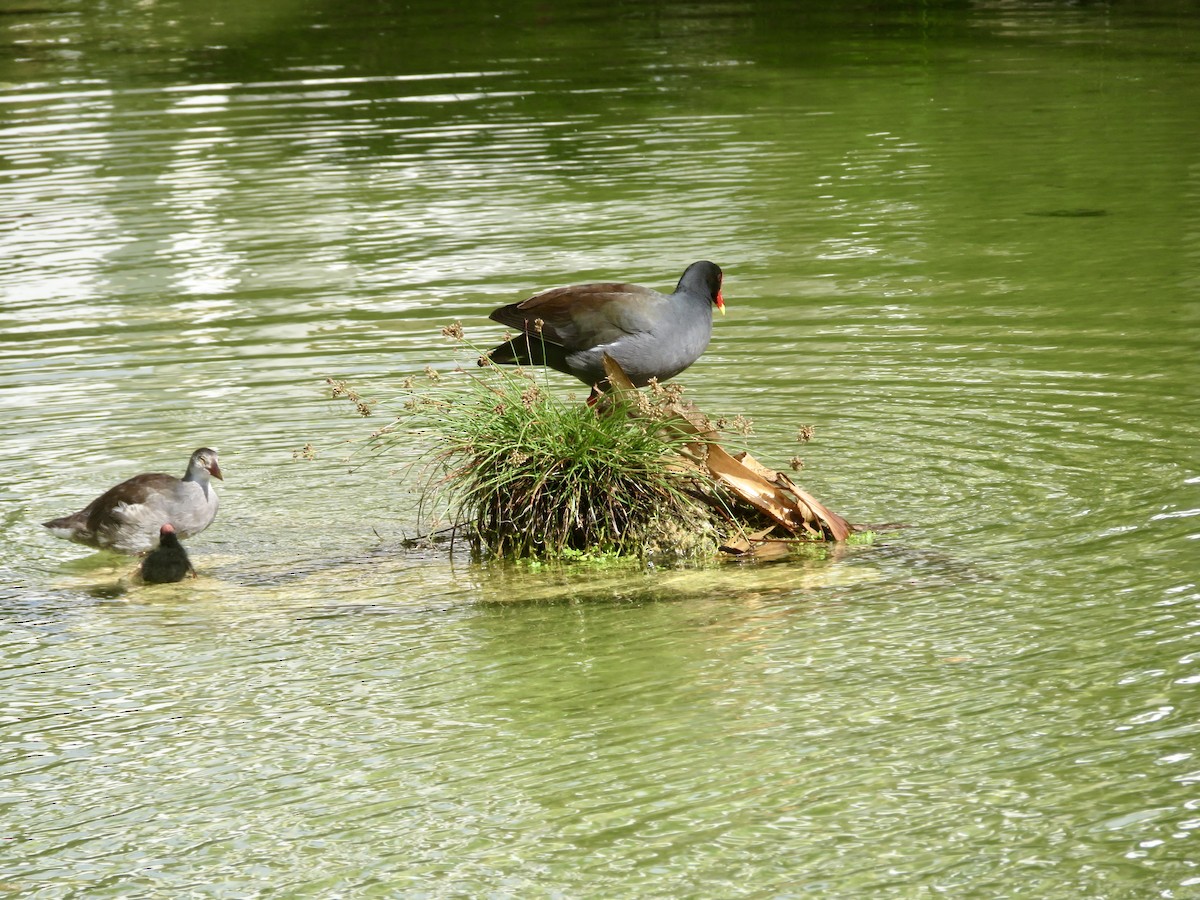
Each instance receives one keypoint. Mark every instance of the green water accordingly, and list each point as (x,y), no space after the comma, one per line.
(961,241)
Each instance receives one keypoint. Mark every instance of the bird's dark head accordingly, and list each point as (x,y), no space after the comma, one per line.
(167,536)
(704,278)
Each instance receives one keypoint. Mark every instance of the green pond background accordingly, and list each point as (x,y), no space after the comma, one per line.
(961,240)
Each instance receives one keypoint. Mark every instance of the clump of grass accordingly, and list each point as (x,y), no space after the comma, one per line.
(524,473)
(535,476)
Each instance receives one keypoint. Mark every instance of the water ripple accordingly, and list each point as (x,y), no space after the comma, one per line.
(999,693)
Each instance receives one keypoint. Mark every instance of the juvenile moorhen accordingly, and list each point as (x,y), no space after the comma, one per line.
(651,335)
(168,562)
(128,517)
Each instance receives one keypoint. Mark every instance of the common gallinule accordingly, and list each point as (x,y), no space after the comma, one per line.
(128,517)
(650,334)
(168,562)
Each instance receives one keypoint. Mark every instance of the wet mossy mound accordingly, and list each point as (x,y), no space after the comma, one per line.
(520,473)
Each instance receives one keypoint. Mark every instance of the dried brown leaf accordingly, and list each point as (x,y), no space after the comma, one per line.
(754,489)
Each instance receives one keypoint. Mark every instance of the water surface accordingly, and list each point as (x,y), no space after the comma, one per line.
(961,243)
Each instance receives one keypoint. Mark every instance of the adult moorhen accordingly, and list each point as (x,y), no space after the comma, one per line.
(651,335)
(168,562)
(128,517)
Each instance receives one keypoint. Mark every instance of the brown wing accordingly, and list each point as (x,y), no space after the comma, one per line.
(584,315)
(134,492)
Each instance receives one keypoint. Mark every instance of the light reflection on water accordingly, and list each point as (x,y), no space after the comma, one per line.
(998,694)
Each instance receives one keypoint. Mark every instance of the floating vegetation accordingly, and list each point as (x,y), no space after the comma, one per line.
(525,474)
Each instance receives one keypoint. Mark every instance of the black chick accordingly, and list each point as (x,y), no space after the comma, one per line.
(168,561)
